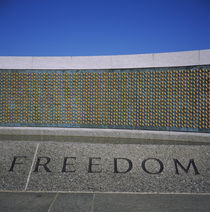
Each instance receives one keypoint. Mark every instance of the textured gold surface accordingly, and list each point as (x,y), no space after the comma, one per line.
(141,99)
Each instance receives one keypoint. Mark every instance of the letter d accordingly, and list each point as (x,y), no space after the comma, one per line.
(130,165)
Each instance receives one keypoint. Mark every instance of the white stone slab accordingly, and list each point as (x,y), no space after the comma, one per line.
(187,58)
(51,63)
(134,61)
(15,62)
(176,59)
(92,62)
(204,57)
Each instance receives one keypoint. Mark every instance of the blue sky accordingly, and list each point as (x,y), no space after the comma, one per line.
(97,27)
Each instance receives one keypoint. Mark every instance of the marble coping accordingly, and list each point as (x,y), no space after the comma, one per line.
(171,59)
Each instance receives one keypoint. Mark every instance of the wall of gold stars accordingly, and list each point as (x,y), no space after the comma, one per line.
(156,98)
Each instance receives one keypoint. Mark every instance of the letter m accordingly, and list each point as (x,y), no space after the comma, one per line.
(191,163)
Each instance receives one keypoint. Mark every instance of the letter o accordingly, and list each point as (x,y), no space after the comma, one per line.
(149,172)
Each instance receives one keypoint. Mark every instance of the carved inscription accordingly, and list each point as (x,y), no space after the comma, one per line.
(94,165)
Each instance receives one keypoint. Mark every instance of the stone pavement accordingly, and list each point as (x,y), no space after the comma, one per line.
(102,202)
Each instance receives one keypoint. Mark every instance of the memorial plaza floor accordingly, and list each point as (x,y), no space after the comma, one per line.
(102,202)
(55,173)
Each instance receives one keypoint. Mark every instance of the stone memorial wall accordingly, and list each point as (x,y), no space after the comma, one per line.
(132,123)
(173,98)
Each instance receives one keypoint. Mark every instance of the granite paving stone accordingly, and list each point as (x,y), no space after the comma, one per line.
(25,202)
(151,203)
(74,202)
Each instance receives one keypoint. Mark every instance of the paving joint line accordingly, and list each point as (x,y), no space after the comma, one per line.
(29,175)
(103,192)
(93,201)
(52,203)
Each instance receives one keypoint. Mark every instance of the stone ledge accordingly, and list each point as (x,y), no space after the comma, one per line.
(108,133)
(170,59)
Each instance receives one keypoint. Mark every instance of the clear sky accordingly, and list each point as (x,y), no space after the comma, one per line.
(102,27)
